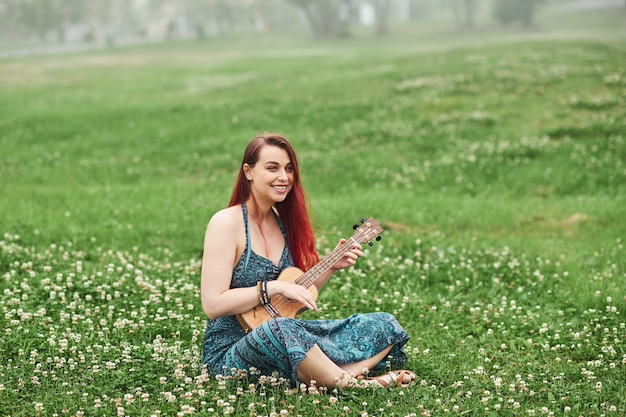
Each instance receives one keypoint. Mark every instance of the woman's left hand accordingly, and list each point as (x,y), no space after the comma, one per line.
(350,257)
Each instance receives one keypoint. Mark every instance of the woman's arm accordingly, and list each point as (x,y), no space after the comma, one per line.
(220,251)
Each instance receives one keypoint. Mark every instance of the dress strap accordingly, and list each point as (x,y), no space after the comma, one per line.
(244,209)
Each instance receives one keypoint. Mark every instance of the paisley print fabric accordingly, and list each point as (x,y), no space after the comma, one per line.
(280,344)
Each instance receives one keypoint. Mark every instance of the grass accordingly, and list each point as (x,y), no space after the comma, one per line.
(497,168)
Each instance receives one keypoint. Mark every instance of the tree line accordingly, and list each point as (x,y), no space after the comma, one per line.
(91,20)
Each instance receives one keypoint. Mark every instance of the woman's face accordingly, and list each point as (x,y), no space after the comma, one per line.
(271,178)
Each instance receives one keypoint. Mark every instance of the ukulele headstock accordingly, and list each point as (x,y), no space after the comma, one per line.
(367,231)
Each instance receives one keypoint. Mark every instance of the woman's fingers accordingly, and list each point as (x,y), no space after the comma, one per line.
(311,305)
(350,257)
(307,299)
(298,293)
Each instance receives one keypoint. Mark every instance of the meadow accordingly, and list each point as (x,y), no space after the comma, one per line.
(494,160)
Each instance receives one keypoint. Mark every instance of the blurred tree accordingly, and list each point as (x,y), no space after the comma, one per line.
(9,19)
(224,14)
(382,17)
(347,14)
(46,17)
(115,19)
(328,18)
(463,12)
(36,17)
(512,11)
(333,18)
(321,15)
(197,13)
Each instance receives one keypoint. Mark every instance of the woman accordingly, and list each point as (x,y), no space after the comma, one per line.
(264,230)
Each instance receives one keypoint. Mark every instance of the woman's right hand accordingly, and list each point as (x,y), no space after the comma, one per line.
(293,292)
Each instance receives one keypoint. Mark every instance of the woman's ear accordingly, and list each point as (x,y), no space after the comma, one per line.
(246,171)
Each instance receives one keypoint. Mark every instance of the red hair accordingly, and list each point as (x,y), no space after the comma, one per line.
(293,211)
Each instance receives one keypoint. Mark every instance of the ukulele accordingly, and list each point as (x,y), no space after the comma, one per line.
(280,306)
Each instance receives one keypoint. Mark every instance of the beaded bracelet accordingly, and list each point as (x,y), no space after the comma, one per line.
(266,296)
(261,288)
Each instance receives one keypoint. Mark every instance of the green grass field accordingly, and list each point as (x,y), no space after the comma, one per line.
(495,161)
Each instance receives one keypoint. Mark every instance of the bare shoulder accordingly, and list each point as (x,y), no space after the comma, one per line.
(227,220)
(227,215)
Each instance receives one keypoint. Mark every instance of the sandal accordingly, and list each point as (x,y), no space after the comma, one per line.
(396,378)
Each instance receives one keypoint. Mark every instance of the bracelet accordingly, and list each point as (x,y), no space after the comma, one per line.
(266,296)
(261,289)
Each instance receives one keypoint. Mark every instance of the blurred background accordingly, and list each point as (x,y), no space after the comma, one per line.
(36,26)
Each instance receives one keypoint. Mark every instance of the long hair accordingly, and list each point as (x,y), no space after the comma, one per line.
(293,211)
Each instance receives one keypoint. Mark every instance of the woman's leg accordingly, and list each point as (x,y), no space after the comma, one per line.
(319,368)
(361,367)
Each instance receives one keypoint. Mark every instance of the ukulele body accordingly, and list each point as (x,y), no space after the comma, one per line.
(285,307)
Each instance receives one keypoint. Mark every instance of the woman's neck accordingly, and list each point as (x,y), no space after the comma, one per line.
(258,212)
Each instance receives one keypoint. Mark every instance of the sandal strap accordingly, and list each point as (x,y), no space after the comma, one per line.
(396,378)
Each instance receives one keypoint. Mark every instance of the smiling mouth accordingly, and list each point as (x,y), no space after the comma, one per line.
(280,187)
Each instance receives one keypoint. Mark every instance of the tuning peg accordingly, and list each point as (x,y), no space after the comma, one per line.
(370,243)
(362,220)
(356,226)
(378,238)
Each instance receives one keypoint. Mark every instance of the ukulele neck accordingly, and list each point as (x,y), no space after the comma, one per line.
(309,277)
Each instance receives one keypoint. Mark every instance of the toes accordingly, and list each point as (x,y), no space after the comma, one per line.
(409,377)
(404,378)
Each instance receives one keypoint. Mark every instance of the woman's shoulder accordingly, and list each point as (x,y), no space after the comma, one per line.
(225,236)
(229,217)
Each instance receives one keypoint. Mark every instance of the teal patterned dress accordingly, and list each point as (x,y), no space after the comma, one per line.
(280,344)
